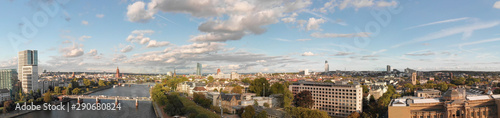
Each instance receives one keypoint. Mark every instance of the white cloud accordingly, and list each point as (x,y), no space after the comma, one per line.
(92,52)
(307,54)
(334,35)
(82,38)
(497,5)
(439,22)
(386,4)
(303,39)
(66,41)
(9,64)
(99,15)
(466,30)
(84,22)
(280,39)
(228,19)
(314,24)
(127,48)
(154,43)
(290,19)
(136,12)
(138,36)
(74,52)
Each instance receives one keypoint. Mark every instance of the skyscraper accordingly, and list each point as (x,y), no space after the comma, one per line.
(28,70)
(327,67)
(218,71)
(7,78)
(198,69)
(389,68)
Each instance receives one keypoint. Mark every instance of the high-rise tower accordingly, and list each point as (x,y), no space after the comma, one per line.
(117,73)
(28,70)
(198,69)
(327,67)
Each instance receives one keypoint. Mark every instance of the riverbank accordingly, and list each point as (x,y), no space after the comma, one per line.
(19,113)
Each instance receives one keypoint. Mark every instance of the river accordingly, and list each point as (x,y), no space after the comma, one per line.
(128,109)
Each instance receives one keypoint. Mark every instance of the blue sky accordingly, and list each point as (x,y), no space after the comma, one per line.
(252,36)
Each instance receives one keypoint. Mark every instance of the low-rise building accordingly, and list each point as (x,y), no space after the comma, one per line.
(4,95)
(454,103)
(428,93)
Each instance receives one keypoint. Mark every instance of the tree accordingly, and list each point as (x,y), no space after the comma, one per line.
(304,99)
(237,89)
(215,89)
(354,115)
(102,83)
(47,97)
(442,86)
(246,80)
(260,87)
(57,89)
(365,88)
(8,106)
(266,105)
(76,91)
(87,82)
(210,79)
(249,112)
(299,112)
(262,114)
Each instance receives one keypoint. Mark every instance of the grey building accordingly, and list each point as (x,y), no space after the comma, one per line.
(198,69)
(28,70)
(7,78)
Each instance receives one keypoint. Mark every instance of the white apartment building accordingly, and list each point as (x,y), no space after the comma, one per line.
(335,99)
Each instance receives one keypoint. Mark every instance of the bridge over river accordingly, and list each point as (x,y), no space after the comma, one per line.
(102,97)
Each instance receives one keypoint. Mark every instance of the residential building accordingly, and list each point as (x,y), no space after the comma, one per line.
(454,103)
(4,95)
(8,78)
(28,70)
(235,75)
(428,93)
(228,101)
(414,78)
(389,68)
(338,100)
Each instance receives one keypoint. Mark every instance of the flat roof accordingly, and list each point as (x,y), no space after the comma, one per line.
(480,97)
(429,100)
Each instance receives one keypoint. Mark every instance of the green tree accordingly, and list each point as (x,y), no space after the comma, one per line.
(260,87)
(354,115)
(47,97)
(267,105)
(76,91)
(262,114)
(8,106)
(102,83)
(210,79)
(87,82)
(249,112)
(442,86)
(365,88)
(237,89)
(304,99)
(299,112)
(57,89)
(246,80)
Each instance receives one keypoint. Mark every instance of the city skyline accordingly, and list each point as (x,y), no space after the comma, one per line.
(252,36)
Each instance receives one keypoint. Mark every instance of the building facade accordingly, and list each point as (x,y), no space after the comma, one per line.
(28,70)
(327,67)
(198,69)
(8,78)
(454,103)
(335,99)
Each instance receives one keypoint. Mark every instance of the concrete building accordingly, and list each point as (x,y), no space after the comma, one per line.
(389,68)
(28,70)
(335,99)
(4,95)
(8,78)
(304,72)
(414,78)
(198,69)
(428,93)
(235,75)
(454,103)
(327,67)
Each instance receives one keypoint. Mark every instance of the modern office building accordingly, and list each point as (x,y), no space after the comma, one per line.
(338,100)
(198,69)
(454,103)
(28,70)
(118,73)
(389,68)
(414,78)
(327,67)
(8,78)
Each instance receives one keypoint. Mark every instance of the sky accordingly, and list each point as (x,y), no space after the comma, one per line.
(247,36)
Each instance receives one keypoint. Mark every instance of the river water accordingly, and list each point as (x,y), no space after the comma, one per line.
(128,109)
